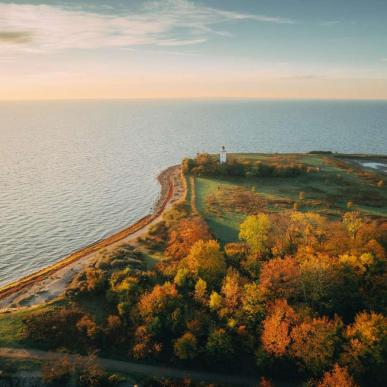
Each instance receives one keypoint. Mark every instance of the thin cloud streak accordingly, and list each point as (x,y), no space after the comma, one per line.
(43,28)
(15,37)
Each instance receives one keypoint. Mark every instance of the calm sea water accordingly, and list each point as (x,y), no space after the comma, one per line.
(74,172)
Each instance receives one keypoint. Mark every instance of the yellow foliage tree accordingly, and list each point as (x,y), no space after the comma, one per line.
(216,301)
(255,232)
(367,346)
(205,260)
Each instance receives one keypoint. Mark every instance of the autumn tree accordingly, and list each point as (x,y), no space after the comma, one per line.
(216,301)
(316,274)
(307,230)
(125,286)
(337,377)
(184,234)
(280,278)
(200,294)
(255,232)
(366,351)
(182,278)
(252,304)
(277,328)
(206,261)
(353,222)
(185,347)
(328,286)
(235,252)
(336,240)
(88,327)
(231,290)
(79,371)
(161,309)
(279,237)
(94,281)
(145,344)
(315,342)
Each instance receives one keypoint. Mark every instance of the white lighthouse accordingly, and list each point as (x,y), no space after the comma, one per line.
(223,155)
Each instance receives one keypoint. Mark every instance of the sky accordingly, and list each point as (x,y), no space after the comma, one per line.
(281,49)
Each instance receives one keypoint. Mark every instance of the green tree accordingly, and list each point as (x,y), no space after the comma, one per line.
(219,345)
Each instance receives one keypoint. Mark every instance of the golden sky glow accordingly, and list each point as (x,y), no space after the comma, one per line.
(189,49)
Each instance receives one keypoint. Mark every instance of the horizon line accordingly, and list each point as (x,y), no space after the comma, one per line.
(187,99)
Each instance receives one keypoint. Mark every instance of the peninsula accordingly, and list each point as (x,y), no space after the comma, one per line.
(253,269)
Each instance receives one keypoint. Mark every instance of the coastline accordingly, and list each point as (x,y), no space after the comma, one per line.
(171,190)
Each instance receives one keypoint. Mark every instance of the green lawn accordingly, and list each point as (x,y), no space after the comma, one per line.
(11,329)
(326,192)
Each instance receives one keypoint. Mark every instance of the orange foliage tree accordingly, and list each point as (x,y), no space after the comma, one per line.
(183,236)
(277,327)
(315,343)
(231,290)
(338,377)
(280,278)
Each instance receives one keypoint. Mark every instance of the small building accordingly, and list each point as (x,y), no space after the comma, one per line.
(223,155)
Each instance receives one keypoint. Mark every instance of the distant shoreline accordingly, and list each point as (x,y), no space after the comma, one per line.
(165,179)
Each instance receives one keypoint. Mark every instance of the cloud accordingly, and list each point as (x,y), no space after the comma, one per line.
(383,60)
(303,77)
(42,28)
(14,37)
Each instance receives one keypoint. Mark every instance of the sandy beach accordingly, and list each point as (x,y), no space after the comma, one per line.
(48,283)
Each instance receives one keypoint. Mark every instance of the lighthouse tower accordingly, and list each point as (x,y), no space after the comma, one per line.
(223,155)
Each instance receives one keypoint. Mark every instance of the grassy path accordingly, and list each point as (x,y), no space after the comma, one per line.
(134,368)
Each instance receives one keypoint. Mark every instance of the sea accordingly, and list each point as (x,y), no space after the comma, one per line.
(73,172)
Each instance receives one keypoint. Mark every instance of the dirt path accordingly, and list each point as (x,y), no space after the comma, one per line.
(48,283)
(133,368)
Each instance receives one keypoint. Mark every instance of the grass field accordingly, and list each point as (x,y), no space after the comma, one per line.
(224,202)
